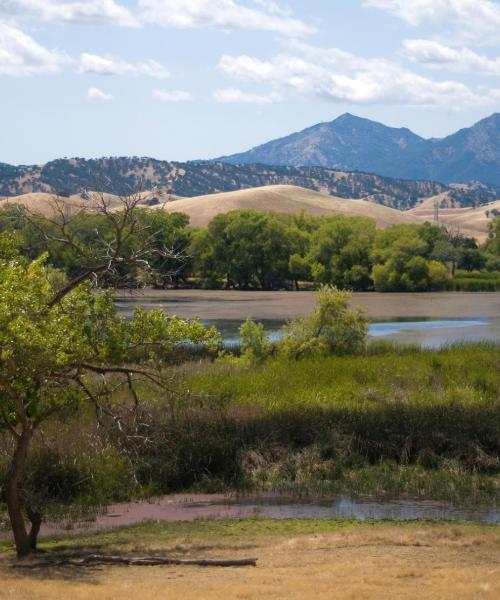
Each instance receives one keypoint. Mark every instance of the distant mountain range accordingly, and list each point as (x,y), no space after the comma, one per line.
(351,143)
(120,175)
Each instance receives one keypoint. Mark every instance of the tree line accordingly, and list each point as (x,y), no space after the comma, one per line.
(250,249)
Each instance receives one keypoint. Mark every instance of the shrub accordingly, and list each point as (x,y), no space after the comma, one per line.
(331,328)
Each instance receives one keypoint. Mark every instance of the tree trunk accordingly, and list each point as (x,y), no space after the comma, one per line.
(12,496)
(35,518)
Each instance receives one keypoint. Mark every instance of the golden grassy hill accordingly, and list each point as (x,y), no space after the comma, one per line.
(47,204)
(472,222)
(281,198)
(285,199)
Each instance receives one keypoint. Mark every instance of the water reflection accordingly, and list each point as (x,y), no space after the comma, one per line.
(427,332)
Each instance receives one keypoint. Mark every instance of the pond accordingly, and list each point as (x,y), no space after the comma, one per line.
(430,320)
(189,507)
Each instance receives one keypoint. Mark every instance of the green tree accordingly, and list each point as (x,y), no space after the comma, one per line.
(246,248)
(56,340)
(401,263)
(342,246)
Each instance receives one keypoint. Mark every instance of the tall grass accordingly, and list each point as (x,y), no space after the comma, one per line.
(394,422)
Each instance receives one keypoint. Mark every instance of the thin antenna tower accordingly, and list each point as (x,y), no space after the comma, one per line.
(436,212)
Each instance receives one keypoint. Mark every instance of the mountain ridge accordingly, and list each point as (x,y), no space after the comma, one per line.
(120,175)
(354,143)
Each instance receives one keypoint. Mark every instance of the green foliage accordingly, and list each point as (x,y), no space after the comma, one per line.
(250,249)
(342,245)
(46,351)
(402,264)
(254,342)
(331,328)
(246,248)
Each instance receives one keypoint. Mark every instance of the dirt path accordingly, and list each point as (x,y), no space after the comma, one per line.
(375,563)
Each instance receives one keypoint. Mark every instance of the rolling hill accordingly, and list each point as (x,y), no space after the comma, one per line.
(351,143)
(282,198)
(120,175)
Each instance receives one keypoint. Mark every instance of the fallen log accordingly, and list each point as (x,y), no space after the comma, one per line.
(148,561)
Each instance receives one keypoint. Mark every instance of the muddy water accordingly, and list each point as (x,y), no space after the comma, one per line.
(180,507)
(431,320)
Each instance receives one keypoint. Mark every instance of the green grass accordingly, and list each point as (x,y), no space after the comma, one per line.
(176,535)
(393,423)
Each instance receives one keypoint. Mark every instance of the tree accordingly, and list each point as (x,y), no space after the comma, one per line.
(401,261)
(247,248)
(331,328)
(60,346)
(342,246)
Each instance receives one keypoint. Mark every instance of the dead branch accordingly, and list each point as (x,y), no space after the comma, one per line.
(149,561)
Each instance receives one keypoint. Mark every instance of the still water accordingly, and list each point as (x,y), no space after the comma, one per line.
(430,320)
(428,333)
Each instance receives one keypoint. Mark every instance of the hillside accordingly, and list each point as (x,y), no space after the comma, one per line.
(121,175)
(352,143)
(282,198)
(472,222)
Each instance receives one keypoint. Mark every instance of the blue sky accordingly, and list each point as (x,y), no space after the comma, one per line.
(188,79)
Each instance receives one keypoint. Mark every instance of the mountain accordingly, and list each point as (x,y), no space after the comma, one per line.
(121,175)
(354,144)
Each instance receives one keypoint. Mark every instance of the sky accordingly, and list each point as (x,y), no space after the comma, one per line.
(195,79)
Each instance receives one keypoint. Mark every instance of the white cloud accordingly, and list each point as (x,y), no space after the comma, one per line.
(21,55)
(97,94)
(438,56)
(172,96)
(101,12)
(477,18)
(222,14)
(109,65)
(233,95)
(338,76)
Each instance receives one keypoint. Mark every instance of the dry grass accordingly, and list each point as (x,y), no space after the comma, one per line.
(284,199)
(470,221)
(374,561)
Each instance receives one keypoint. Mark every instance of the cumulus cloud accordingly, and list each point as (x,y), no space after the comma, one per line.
(338,76)
(439,56)
(172,96)
(479,18)
(97,94)
(101,12)
(109,65)
(223,14)
(21,55)
(233,95)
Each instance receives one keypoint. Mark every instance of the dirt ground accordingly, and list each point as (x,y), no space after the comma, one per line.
(360,562)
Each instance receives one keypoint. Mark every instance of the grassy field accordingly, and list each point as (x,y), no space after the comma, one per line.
(303,560)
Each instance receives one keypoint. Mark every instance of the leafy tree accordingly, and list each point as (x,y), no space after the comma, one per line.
(299,268)
(342,246)
(56,341)
(331,328)
(401,264)
(247,248)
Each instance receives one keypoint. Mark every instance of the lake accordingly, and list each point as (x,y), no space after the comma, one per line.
(432,319)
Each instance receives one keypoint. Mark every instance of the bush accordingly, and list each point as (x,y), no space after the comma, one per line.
(332,328)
